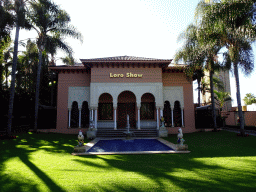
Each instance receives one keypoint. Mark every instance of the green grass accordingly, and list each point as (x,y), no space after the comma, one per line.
(43,162)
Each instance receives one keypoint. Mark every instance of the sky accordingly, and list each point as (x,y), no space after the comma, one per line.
(142,28)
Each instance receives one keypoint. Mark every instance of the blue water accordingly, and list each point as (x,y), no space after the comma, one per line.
(119,145)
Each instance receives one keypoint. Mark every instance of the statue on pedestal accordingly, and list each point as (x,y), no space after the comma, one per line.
(180,137)
(80,139)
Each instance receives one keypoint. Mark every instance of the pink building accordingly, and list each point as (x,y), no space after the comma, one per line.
(106,90)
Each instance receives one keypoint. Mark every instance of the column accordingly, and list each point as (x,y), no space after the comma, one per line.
(69,117)
(172,117)
(161,113)
(138,117)
(182,116)
(157,116)
(95,118)
(115,118)
(91,117)
(80,111)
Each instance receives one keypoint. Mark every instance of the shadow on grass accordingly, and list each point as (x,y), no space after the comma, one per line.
(29,143)
(189,172)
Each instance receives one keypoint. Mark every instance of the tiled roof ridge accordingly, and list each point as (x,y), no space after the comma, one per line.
(125,58)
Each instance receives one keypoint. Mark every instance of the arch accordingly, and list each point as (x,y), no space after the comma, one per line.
(147,110)
(85,114)
(74,115)
(126,97)
(105,107)
(167,114)
(126,106)
(177,114)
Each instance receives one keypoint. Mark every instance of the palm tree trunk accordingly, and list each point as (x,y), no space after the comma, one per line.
(199,90)
(213,102)
(12,88)
(238,97)
(37,89)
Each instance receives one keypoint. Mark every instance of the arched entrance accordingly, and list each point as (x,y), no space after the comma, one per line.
(147,110)
(126,106)
(74,115)
(105,107)
(167,114)
(177,114)
(85,115)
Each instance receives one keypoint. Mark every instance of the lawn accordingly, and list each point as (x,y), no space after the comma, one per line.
(43,162)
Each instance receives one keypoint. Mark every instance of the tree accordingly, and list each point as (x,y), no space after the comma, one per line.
(232,23)
(68,60)
(190,53)
(249,99)
(7,20)
(19,8)
(200,50)
(222,97)
(52,26)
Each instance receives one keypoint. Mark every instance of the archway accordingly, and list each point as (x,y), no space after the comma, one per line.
(105,107)
(85,115)
(167,114)
(147,110)
(177,114)
(126,106)
(74,115)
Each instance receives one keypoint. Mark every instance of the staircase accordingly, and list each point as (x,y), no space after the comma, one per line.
(110,132)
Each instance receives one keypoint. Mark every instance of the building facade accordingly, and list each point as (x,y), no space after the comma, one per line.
(106,90)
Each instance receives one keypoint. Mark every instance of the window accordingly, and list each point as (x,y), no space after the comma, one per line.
(147,111)
(105,111)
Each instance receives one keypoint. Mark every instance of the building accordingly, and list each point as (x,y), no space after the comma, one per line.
(223,76)
(106,90)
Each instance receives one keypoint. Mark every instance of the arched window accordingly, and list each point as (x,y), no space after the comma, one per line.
(167,114)
(105,107)
(177,114)
(85,115)
(126,106)
(74,115)
(147,107)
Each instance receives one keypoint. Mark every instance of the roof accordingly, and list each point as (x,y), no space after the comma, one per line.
(124,58)
(121,60)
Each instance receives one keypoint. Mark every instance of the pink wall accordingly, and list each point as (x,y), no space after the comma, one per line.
(179,79)
(66,80)
(249,117)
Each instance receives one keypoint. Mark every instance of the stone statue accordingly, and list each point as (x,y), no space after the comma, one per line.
(80,139)
(180,137)
(162,121)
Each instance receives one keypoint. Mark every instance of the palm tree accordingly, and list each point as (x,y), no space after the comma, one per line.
(51,25)
(199,50)
(7,20)
(19,7)
(190,53)
(68,60)
(232,23)
(222,97)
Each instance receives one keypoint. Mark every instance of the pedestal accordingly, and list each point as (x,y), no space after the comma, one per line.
(91,134)
(183,147)
(79,149)
(163,133)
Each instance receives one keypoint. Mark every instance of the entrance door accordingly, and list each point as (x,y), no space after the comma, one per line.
(125,109)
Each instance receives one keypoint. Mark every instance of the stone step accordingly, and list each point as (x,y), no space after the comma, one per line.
(110,132)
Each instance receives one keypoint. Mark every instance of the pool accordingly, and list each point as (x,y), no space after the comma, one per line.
(134,145)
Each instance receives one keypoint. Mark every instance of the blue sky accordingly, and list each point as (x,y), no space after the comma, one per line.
(143,28)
